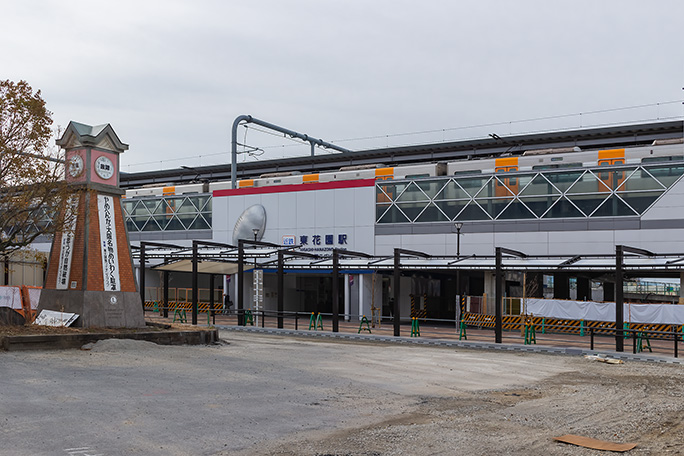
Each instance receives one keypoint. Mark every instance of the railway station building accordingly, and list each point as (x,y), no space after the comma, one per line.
(563,193)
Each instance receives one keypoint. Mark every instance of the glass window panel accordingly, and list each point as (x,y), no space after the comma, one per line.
(537,186)
(563,209)
(151,205)
(383,195)
(389,191)
(199,224)
(613,207)
(412,193)
(131,226)
(493,206)
(186,219)
(432,214)
(128,207)
(393,215)
(563,180)
(473,212)
(169,205)
(452,191)
(139,209)
(640,180)
(640,201)
(588,183)
(380,209)
(588,203)
(186,206)
(472,185)
(452,208)
(666,175)
(162,220)
(139,222)
(503,186)
(516,210)
(174,225)
(412,209)
(151,225)
(431,187)
(206,204)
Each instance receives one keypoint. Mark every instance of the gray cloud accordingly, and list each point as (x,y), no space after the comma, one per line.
(170,76)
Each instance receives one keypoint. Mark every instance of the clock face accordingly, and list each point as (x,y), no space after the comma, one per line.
(104,167)
(75,165)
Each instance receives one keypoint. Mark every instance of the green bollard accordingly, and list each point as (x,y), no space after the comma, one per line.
(543,325)
(415,328)
(364,321)
(582,328)
(462,334)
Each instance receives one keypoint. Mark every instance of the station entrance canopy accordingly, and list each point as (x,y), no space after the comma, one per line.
(216,258)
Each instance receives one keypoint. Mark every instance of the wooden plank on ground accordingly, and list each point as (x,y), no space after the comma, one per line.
(595,444)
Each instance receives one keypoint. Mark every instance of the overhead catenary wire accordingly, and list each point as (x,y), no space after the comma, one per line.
(387,137)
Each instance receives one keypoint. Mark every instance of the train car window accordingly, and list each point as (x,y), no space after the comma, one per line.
(662,159)
(416,176)
(556,166)
(467,172)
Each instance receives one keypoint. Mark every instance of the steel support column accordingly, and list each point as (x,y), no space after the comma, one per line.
(241,283)
(619,299)
(335,290)
(211,295)
(195,259)
(141,274)
(281,288)
(397,286)
(498,297)
(165,276)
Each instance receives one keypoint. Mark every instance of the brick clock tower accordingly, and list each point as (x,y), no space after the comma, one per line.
(90,270)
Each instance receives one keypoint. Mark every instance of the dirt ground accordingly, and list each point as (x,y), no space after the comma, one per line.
(633,402)
(257,394)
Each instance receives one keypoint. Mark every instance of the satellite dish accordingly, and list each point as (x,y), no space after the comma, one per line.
(253,218)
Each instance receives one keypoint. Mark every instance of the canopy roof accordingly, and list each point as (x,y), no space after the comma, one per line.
(223,259)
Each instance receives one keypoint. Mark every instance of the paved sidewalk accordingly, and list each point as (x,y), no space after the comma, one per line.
(433,334)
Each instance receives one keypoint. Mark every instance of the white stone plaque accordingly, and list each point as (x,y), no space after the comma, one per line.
(110,255)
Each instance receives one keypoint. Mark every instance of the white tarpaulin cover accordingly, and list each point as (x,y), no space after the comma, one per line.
(10,297)
(605,311)
(34,297)
(53,318)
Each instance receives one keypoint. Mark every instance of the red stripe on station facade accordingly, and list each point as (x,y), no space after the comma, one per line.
(296,187)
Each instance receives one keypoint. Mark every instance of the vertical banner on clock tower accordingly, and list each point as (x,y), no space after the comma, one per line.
(110,256)
(66,248)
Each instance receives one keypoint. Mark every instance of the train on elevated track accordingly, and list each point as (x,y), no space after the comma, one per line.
(505,166)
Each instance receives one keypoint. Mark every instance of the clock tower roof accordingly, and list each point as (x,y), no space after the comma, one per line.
(100,136)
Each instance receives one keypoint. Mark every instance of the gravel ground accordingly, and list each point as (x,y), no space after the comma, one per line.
(258,394)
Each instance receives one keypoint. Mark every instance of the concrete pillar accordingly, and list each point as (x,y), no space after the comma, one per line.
(561,286)
(583,289)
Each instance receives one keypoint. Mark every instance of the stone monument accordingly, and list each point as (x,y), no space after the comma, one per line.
(90,269)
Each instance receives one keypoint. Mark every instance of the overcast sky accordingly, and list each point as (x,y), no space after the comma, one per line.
(171,76)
